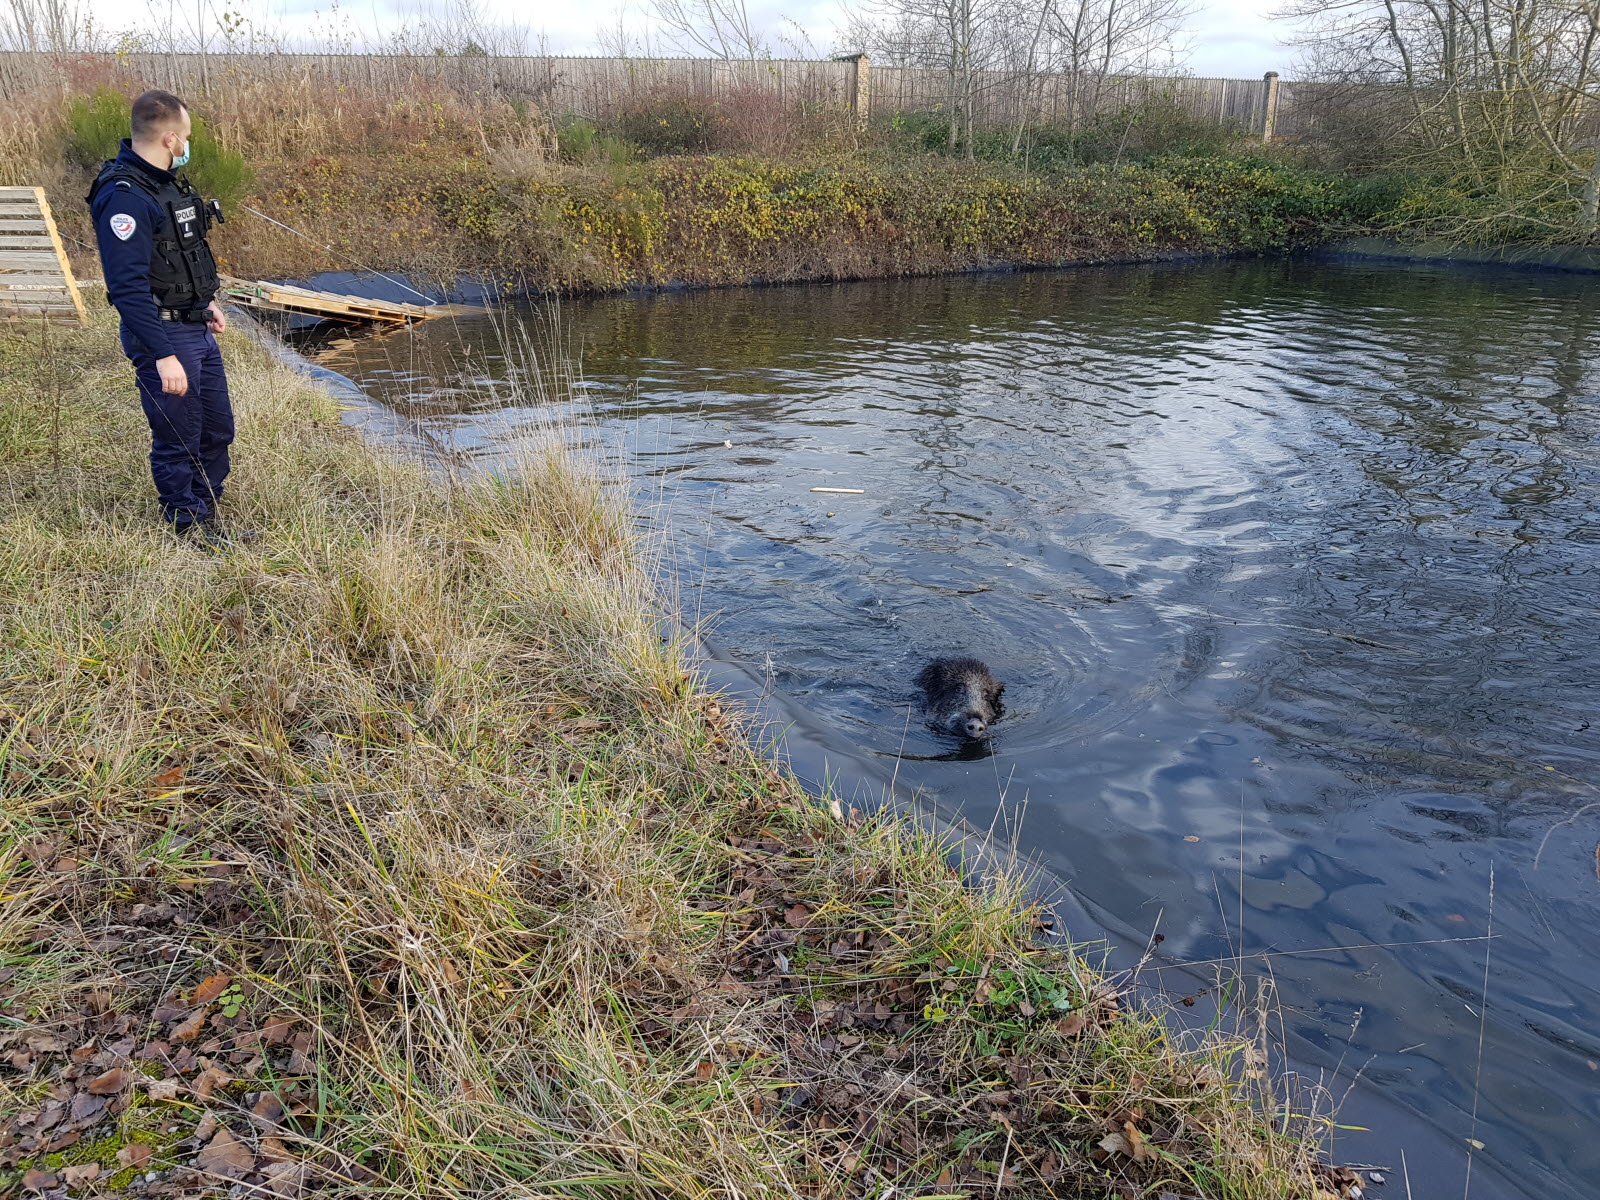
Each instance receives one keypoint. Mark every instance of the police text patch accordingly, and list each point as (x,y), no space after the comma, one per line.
(123,225)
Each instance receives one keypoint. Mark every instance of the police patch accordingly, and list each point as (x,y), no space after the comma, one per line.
(123,226)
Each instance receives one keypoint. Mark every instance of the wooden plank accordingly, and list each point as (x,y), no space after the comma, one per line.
(312,308)
(365,303)
(17,260)
(269,306)
(32,282)
(353,305)
(60,306)
(25,241)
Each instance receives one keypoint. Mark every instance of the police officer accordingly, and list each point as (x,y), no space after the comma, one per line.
(160,275)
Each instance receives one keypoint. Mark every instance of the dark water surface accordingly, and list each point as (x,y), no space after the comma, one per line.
(1291,571)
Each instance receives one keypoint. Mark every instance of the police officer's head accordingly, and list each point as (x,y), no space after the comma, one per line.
(161,129)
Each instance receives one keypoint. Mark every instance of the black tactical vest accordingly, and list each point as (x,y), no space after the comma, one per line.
(183,275)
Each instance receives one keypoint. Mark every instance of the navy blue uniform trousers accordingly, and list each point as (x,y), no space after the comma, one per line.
(189,434)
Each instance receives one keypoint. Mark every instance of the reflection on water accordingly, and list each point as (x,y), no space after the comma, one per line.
(1289,569)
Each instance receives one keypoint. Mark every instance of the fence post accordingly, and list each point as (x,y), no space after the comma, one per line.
(860,86)
(1269,105)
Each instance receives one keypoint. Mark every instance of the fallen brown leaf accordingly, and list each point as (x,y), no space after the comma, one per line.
(69,1138)
(134,1154)
(300,1054)
(80,1174)
(210,1080)
(36,1180)
(705,1071)
(287,1180)
(1130,1142)
(87,1109)
(163,1089)
(226,1155)
(1072,1024)
(275,1029)
(267,1111)
(210,989)
(189,1029)
(1140,1149)
(110,1083)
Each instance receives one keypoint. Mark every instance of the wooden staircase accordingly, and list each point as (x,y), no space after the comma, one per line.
(35,278)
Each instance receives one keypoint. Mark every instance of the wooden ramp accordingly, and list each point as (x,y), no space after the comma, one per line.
(334,306)
(35,278)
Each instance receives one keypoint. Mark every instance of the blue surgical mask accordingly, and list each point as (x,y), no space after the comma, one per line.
(178,160)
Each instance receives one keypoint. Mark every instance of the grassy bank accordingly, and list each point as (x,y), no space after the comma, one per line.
(674,190)
(707,219)
(399,849)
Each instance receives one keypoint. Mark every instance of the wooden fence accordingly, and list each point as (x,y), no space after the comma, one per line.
(595,86)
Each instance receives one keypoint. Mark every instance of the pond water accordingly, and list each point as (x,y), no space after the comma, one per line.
(1289,567)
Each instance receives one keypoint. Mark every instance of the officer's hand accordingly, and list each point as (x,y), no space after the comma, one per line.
(218,320)
(174,380)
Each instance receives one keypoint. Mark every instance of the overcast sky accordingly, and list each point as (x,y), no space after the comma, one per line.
(1235,38)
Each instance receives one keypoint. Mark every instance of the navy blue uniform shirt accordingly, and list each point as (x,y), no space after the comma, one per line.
(126,220)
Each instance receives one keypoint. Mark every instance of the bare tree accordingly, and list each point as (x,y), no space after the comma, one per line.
(715,28)
(963,39)
(44,26)
(1019,47)
(1096,42)
(1499,98)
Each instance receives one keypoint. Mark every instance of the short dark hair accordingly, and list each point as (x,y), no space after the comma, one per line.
(155,112)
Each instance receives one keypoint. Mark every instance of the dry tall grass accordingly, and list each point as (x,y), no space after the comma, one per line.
(400,848)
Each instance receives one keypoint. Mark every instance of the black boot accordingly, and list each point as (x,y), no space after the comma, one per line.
(243,537)
(203,536)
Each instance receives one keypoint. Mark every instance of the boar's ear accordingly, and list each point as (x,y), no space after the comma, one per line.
(996,691)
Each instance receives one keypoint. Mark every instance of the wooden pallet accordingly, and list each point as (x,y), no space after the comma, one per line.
(335,306)
(35,277)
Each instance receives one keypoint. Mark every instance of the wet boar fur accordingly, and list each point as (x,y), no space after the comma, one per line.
(960,696)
